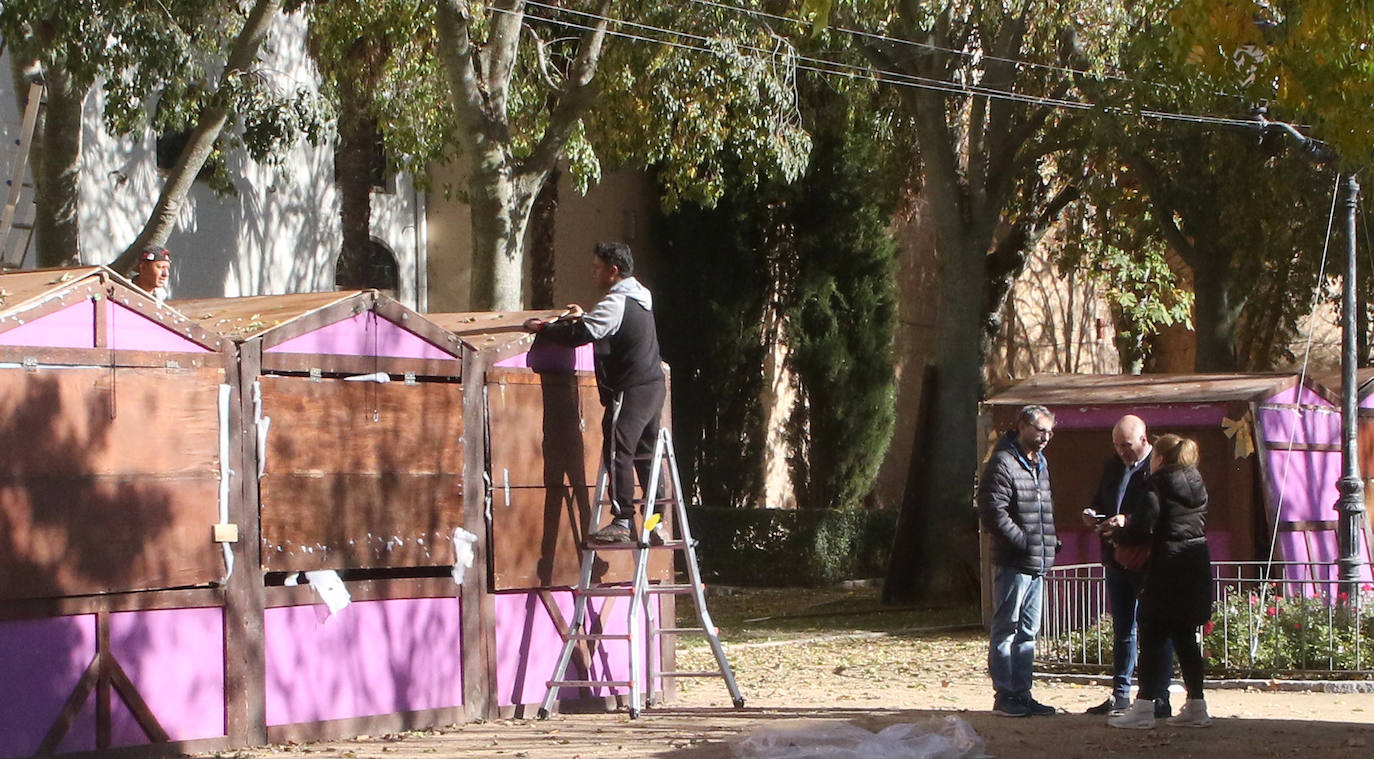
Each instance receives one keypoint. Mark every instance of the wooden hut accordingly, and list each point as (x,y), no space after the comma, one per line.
(1269,443)
(354,414)
(191,490)
(116,423)
(543,416)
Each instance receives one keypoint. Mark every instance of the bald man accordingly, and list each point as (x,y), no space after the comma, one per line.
(1122,486)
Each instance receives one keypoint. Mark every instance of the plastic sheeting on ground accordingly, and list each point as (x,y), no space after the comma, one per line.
(936,738)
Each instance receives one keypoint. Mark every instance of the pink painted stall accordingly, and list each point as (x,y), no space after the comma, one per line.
(1270,448)
(354,411)
(543,417)
(242,520)
(115,598)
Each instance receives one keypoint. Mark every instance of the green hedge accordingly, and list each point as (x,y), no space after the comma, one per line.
(790,548)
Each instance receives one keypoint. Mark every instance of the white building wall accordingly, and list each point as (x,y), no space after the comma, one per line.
(279,234)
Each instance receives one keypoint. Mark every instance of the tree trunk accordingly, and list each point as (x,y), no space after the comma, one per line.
(54,155)
(57,175)
(543,273)
(502,188)
(1214,315)
(201,141)
(354,156)
(501,207)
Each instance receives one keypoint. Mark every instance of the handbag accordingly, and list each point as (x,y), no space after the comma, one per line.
(1132,556)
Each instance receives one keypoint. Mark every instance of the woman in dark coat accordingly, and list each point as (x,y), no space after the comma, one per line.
(1176,597)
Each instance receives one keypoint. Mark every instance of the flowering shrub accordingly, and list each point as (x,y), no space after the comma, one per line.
(1256,631)
(1259,629)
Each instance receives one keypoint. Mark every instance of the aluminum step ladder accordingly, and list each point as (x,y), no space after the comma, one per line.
(643,593)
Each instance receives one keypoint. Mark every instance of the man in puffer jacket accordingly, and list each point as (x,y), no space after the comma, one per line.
(1017,511)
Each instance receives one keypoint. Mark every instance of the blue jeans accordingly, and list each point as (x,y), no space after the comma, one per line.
(1123,588)
(1016,600)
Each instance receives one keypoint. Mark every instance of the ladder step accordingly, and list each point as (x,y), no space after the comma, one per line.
(670,544)
(670,588)
(612,592)
(714,673)
(589,683)
(625,591)
(598,636)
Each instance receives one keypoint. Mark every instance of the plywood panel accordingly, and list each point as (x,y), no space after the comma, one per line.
(350,521)
(109,480)
(545,429)
(537,536)
(64,421)
(360,475)
(82,535)
(360,427)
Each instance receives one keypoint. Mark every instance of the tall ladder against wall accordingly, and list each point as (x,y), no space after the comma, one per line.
(643,593)
(18,167)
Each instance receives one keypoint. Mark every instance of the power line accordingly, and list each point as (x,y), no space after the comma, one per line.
(913,43)
(872,74)
(839,67)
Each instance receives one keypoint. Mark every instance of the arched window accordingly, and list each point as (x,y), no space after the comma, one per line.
(374,267)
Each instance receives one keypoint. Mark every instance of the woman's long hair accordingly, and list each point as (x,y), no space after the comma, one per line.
(1176,450)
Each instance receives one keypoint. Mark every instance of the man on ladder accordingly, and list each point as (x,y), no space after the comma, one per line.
(629,376)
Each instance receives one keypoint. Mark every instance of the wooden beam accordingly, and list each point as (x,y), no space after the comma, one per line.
(72,707)
(245,669)
(119,680)
(479,609)
(102,687)
(41,608)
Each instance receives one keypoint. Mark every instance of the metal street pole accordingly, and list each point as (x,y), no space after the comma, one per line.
(1350,506)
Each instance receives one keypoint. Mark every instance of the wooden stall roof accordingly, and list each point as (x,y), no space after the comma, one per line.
(499,332)
(1141,389)
(251,316)
(21,290)
(1331,378)
(30,294)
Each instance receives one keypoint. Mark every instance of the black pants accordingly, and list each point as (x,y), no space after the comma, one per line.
(1155,661)
(630,431)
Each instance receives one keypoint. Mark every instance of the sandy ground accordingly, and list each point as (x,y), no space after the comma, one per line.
(875,680)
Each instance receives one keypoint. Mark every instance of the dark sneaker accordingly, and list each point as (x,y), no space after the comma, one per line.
(1010,706)
(613,533)
(1038,709)
(1112,705)
(1162,708)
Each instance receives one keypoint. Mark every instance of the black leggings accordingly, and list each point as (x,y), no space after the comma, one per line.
(1154,662)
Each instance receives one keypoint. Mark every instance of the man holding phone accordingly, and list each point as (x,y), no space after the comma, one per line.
(1121,487)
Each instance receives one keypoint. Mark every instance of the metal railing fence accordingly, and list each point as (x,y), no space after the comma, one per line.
(1270,619)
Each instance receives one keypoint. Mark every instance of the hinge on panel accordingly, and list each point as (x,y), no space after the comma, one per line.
(173,364)
(30,364)
(410,378)
(315,374)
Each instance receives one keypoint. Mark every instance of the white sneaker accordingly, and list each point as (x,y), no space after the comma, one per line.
(1193,714)
(1141,716)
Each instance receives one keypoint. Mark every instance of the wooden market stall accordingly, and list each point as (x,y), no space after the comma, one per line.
(354,413)
(543,416)
(1270,449)
(239,520)
(116,415)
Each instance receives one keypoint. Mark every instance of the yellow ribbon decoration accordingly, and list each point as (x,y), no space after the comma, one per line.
(1239,432)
